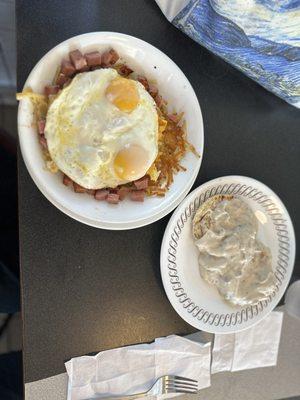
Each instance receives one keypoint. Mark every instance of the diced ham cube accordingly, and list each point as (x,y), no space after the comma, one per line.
(78,188)
(77,59)
(67,68)
(123,192)
(93,59)
(84,69)
(144,82)
(51,89)
(43,142)
(153,91)
(124,70)
(142,183)
(41,126)
(67,181)
(101,194)
(106,59)
(61,79)
(137,195)
(109,58)
(113,198)
(91,191)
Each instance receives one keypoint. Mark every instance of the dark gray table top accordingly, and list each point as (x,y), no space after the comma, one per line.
(84,289)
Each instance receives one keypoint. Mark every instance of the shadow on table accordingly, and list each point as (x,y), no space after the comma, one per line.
(11,381)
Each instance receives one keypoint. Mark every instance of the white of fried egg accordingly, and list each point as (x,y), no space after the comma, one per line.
(102,129)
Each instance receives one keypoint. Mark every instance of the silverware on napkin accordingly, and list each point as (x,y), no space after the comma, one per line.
(167,384)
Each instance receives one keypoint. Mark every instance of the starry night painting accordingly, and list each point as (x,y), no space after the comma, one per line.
(259,37)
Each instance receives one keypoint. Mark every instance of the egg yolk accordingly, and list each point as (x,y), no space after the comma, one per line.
(123,94)
(131,162)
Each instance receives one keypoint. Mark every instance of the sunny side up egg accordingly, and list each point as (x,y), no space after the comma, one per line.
(102,129)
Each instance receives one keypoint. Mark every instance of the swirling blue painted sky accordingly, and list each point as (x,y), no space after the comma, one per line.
(261,38)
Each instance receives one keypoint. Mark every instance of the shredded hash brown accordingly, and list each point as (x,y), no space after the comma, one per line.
(172,146)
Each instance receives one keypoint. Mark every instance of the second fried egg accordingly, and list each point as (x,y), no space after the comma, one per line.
(102,129)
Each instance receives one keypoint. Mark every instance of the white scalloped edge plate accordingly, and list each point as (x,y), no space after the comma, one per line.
(197,302)
(147,60)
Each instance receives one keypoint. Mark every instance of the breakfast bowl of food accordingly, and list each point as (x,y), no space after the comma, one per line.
(227,254)
(110,130)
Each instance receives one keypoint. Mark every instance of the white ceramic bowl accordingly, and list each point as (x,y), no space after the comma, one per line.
(173,86)
(195,300)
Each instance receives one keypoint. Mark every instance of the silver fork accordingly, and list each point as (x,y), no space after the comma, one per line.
(167,384)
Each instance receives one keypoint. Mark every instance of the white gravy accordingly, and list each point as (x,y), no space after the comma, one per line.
(232,259)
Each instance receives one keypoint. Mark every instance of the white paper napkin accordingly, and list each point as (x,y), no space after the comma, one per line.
(252,348)
(134,369)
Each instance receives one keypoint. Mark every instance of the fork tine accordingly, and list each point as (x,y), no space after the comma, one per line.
(176,390)
(182,382)
(183,385)
(181,378)
(179,384)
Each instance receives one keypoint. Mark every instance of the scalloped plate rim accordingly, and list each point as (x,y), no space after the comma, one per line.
(182,312)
